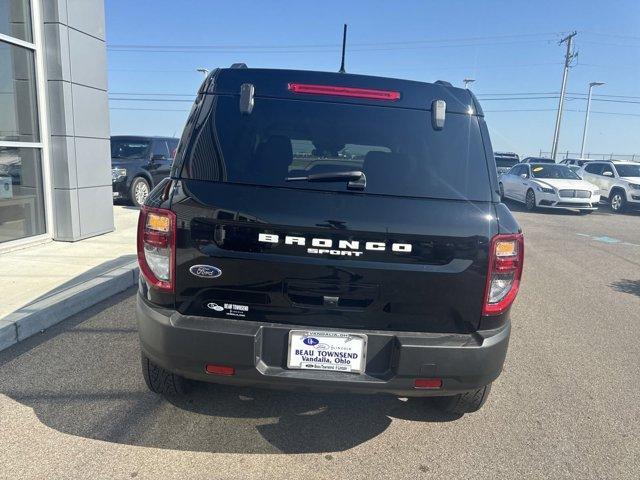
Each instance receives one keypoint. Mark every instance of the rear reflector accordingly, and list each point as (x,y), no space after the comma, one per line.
(212,369)
(387,95)
(428,383)
(506,256)
(157,246)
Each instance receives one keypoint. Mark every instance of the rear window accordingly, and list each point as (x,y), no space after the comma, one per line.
(397,149)
(553,171)
(125,148)
(506,162)
(628,170)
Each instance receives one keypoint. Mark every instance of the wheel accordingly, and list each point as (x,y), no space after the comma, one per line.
(530,200)
(462,403)
(501,189)
(161,381)
(139,191)
(618,201)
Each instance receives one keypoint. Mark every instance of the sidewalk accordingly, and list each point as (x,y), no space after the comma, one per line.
(43,284)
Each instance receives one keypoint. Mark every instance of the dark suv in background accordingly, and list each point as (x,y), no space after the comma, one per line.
(505,160)
(138,164)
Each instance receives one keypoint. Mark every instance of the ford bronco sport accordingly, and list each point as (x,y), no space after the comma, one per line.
(329,231)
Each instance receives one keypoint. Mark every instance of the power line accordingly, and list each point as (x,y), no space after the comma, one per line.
(612,35)
(147,109)
(482,98)
(152,94)
(323,45)
(518,110)
(324,50)
(149,100)
(520,98)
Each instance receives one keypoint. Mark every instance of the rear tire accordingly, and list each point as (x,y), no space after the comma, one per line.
(162,381)
(530,200)
(462,403)
(618,201)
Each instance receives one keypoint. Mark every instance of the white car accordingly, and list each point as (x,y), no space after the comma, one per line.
(618,182)
(548,185)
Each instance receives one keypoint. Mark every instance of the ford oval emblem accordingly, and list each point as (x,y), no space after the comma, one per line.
(205,271)
(311,341)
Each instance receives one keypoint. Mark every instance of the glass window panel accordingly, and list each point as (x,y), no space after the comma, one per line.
(18,108)
(15,19)
(21,193)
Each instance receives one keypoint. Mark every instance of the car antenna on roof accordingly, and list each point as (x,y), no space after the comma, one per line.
(344,43)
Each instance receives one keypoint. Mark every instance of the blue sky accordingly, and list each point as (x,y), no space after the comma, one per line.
(508,47)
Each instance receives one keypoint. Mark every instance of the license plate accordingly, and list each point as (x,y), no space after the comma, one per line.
(331,351)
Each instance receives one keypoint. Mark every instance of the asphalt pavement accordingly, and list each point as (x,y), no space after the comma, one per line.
(73,403)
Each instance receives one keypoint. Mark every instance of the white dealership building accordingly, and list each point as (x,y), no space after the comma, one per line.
(55,172)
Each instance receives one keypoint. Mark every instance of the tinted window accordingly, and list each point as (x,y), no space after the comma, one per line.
(173,146)
(21,193)
(628,170)
(123,147)
(397,149)
(553,171)
(505,162)
(539,160)
(595,168)
(519,170)
(18,106)
(607,168)
(160,148)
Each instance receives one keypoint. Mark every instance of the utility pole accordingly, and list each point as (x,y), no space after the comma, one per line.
(204,71)
(467,81)
(569,56)
(586,117)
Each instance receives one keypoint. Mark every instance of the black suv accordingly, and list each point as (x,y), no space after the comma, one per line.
(138,164)
(333,232)
(505,160)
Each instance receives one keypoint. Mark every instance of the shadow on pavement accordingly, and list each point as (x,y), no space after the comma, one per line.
(519,207)
(627,286)
(603,209)
(90,274)
(83,378)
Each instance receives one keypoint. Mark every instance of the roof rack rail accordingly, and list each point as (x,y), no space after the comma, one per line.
(443,83)
(238,65)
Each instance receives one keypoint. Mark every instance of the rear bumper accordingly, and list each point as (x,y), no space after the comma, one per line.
(258,352)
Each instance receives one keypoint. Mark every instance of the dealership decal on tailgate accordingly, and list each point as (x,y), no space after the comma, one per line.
(333,351)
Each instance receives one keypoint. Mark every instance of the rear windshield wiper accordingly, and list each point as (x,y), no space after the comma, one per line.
(357,179)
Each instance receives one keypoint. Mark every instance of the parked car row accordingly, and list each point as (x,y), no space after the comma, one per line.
(539,184)
(138,164)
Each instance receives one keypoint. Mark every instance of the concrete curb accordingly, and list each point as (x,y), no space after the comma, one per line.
(45,313)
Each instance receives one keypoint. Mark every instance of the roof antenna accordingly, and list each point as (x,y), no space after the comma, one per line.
(344,43)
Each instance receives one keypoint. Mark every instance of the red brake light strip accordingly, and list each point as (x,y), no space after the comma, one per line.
(388,95)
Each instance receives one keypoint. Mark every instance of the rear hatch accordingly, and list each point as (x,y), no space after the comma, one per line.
(406,252)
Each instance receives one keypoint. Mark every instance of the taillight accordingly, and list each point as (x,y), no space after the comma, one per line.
(506,255)
(369,93)
(157,247)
